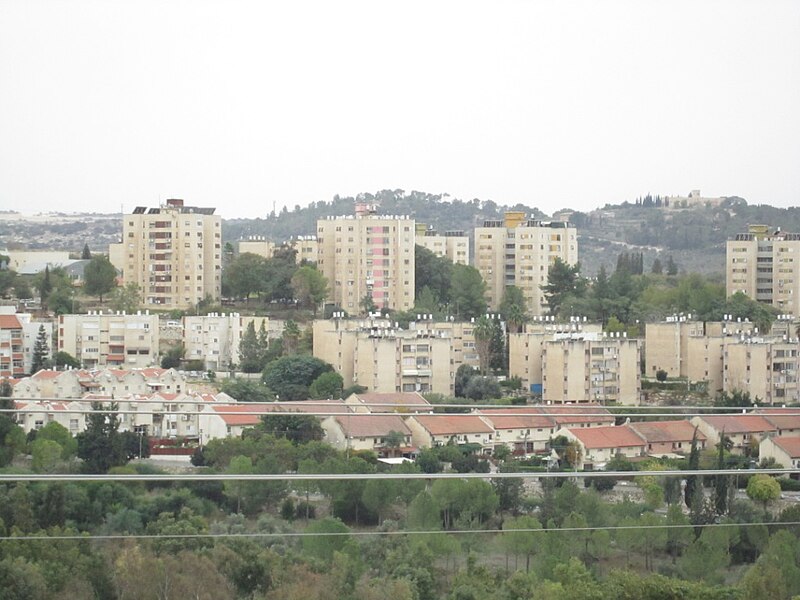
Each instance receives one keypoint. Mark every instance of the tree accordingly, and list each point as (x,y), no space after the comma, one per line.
(721,482)
(86,254)
(56,432)
(324,546)
(310,287)
(44,285)
(40,351)
(367,304)
(290,337)
(483,332)
(245,275)
(763,488)
(514,309)
(520,540)
(299,429)
(432,272)
(483,388)
(467,290)
(251,351)
(247,390)
(562,280)
(328,385)
(173,357)
(126,298)
(657,268)
(463,375)
(65,359)
(290,376)
(692,486)
(672,268)
(101,446)
(99,277)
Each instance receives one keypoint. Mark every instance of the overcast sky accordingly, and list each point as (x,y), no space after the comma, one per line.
(240,105)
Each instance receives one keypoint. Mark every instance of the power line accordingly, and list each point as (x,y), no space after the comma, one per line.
(304,534)
(129,477)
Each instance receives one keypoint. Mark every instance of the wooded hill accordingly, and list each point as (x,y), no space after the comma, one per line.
(695,237)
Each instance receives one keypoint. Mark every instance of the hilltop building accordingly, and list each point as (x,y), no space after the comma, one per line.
(519,251)
(367,255)
(173,253)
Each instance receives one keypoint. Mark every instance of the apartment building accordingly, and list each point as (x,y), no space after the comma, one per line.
(306,248)
(767,368)
(173,253)
(76,383)
(526,348)
(99,339)
(11,352)
(215,338)
(764,263)
(453,245)
(519,251)
(381,356)
(258,245)
(592,368)
(367,255)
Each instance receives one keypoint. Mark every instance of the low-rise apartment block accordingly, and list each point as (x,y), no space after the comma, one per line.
(381,356)
(592,368)
(11,347)
(99,339)
(75,383)
(215,338)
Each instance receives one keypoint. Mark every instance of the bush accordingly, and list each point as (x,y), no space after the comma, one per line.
(661,375)
(789,485)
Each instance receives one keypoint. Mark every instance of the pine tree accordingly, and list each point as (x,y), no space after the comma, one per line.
(657,268)
(691,480)
(672,268)
(40,350)
(86,254)
(249,355)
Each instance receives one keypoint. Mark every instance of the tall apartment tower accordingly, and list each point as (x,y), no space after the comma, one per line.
(173,253)
(519,251)
(765,264)
(367,254)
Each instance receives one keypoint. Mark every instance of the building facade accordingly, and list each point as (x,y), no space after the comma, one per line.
(173,253)
(102,339)
(215,338)
(453,245)
(519,251)
(764,264)
(367,255)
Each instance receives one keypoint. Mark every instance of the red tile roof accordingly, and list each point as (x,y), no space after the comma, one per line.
(565,414)
(782,418)
(789,444)
(46,374)
(362,425)
(499,417)
(331,407)
(679,430)
(448,424)
(10,322)
(392,399)
(621,436)
(739,423)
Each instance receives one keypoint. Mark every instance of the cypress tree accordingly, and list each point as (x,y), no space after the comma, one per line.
(40,351)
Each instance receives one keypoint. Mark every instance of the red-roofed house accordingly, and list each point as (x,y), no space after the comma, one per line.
(522,428)
(437,430)
(226,420)
(402,402)
(11,351)
(600,444)
(578,415)
(787,420)
(745,431)
(668,437)
(367,432)
(35,415)
(784,449)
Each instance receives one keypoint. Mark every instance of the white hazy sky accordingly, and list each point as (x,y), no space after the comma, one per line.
(240,104)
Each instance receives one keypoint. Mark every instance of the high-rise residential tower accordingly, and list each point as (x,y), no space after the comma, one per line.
(173,253)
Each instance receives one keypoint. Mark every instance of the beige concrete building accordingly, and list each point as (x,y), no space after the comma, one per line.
(525,348)
(599,445)
(785,451)
(384,358)
(11,350)
(764,263)
(693,200)
(592,368)
(258,245)
(173,253)
(215,338)
(368,432)
(519,251)
(745,431)
(367,255)
(102,339)
(306,248)
(692,349)
(453,245)
(767,368)
(428,431)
